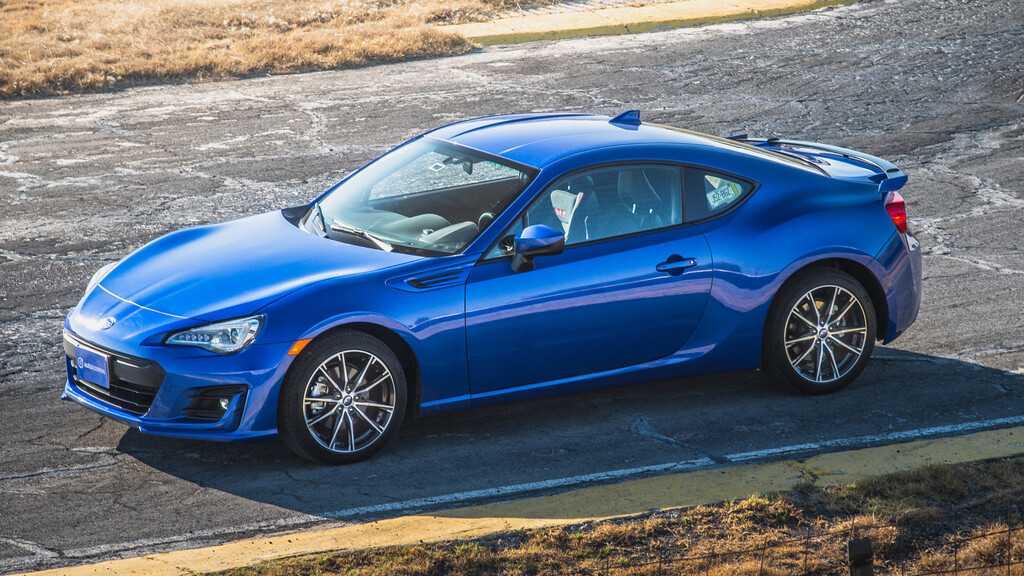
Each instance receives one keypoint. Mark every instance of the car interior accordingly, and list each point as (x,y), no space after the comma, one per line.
(611,201)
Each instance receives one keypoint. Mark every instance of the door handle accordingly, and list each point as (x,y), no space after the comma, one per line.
(675,264)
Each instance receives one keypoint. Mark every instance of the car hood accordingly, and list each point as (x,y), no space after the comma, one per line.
(235,268)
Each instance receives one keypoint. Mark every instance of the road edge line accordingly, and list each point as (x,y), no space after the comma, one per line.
(623,499)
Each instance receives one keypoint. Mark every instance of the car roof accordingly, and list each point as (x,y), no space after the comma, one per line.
(539,139)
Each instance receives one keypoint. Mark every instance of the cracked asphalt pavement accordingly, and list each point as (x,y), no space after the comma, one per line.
(934,85)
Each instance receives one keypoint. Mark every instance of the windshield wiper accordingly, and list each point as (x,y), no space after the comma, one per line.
(340,226)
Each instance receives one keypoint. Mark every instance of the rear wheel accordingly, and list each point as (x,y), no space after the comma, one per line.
(820,332)
(343,399)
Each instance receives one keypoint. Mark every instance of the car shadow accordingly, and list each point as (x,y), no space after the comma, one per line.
(467,457)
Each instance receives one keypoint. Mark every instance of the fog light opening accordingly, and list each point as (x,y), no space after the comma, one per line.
(213,403)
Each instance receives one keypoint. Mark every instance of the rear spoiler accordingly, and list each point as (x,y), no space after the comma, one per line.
(889,177)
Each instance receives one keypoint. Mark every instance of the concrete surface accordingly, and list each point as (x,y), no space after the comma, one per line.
(555,25)
(84,180)
(564,6)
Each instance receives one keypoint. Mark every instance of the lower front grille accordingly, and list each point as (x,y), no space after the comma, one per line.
(125,395)
(134,382)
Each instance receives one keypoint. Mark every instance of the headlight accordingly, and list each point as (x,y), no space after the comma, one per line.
(99,276)
(221,337)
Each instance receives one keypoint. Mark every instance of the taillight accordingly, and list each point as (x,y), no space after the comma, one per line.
(897,210)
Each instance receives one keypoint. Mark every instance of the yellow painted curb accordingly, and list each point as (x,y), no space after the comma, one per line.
(594,503)
(629,19)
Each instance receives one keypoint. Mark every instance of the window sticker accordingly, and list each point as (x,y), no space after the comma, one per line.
(721,191)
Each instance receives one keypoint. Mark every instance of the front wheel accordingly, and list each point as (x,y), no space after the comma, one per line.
(343,399)
(820,332)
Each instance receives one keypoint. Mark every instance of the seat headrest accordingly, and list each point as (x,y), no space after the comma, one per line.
(636,192)
(564,204)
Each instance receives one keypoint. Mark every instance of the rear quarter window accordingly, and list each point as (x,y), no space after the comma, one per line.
(710,193)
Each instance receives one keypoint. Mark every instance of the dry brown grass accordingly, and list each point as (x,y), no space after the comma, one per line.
(61,46)
(802,532)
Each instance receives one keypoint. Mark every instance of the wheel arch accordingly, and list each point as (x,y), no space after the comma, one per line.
(398,345)
(862,275)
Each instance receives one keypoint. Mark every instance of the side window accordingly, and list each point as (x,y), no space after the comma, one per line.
(604,203)
(709,193)
(504,247)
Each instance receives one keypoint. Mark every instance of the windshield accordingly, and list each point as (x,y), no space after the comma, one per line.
(427,197)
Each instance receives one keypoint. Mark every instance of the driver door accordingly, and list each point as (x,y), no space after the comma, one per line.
(629,288)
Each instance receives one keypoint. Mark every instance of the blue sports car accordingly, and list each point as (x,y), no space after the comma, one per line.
(500,259)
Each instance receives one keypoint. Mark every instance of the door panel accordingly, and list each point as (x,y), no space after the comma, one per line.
(597,306)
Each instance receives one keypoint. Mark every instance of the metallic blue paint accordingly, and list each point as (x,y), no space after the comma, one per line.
(596,307)
(599,314)
(538,237)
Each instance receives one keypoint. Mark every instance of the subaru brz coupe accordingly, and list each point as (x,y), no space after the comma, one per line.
(502,259)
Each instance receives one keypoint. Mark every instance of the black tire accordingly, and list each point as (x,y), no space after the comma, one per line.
(820,331)
(368,398)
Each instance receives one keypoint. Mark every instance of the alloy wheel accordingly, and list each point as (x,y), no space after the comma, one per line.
(349,401)
(825,334)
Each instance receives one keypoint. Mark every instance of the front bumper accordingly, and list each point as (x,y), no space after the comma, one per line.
(172,391)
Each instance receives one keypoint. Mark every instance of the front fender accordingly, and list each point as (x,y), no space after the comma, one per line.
(432,323)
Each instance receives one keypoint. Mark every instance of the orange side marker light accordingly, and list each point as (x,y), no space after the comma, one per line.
(298,346)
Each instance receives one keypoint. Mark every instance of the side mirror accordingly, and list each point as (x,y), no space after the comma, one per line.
(536,240)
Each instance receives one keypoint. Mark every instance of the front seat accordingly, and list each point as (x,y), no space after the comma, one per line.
(594,220)
(564,205)
(640,198)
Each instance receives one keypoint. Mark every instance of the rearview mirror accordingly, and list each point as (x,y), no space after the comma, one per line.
(536,240)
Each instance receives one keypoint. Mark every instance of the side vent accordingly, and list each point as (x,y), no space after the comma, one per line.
(435,281)
(432,279)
